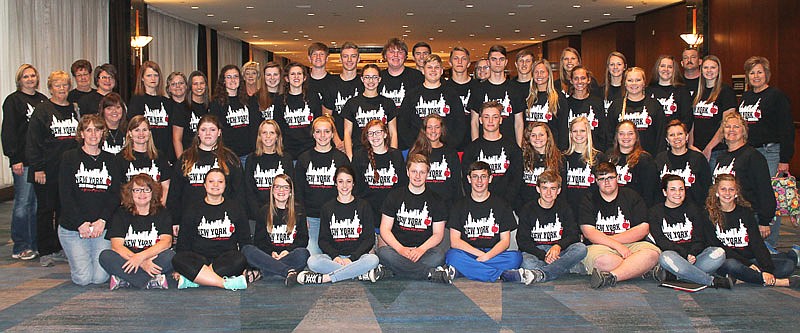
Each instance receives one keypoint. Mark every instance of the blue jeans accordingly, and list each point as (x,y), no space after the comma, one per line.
(569,257)
(784,266)
(295,260)
(84,256)
(772,152)
(243,160)
(23,218)
(322,263)
(112,262)
(402,266)
(487,271)
(313,236)
(707,262)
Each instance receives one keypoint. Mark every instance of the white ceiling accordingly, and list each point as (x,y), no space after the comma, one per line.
(286,27)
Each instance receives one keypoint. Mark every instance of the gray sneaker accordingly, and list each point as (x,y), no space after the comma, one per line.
(47,260)
(157,282)
(59,256)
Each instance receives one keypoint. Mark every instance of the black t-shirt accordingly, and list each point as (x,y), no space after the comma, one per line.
(502,93)
(114,141)
(752,174)
(211,230)
(90,103)
(741,239)
(360,110)
(691,85)
(679,229)
(346,229)
(676,102)
(188,120)
(558,122)
(51,132)
(322,89)
(579,178)
(158,169)
(259,173)
(769,120)
(614,93)
(556,225)
(295,120)
(505,159)
(692,167)
(648,118)
(396,87)
(419,103)
(464,92)
(342,91)
(75,95)
(239,124)
(528,192)
(17,111)
(139,232)
(445,176)
(591,108)
(481,223)
(413,214)
(157,110)
(280,238)
(642,178)
(708,116)
(88,188)
(315,185)
(626,211)
(186,190)
(391,175)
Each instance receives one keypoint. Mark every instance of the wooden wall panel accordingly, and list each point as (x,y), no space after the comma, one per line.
(597,43)
(551,50)
(658,32)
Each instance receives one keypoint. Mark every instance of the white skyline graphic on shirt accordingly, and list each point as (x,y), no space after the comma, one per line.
(414,219)
(158,118)
(364,117)
(484,227)
(439,171)
(346,229)
(641,119)
(685,173)
(151,171)
(280,236)
(297,118)
(321,176)
(539,113)
(668,104)
(580,177)
(505,101)
(591,116)
(498,163)
(547,233)
(92,179)
(216,229)
(141,239)
(530,177)
(64,129)
(680,232)
(751,113)
(387,177)
(614,224)
(395,95)
(735,237)
(238,117)
(624,175)
(265,177)
(342,99)
(197,175)
(705,110)
(437,106)
(725,169)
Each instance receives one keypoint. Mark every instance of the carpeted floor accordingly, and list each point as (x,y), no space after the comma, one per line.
(43,299)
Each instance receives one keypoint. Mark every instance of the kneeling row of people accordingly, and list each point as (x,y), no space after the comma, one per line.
(214,248)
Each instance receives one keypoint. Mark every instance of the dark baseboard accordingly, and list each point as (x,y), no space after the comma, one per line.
(6,193)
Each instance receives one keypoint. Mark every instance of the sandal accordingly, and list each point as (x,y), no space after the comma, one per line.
(252,275)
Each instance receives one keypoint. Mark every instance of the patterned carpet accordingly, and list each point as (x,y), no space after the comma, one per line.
(43,299)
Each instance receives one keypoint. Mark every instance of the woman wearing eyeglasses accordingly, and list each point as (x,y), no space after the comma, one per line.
(361,109)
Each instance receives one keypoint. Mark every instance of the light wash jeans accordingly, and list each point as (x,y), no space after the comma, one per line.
(84,256)
(23,217)
(707,262)
(322,263)
(569,257)
(313,236)
(772,152)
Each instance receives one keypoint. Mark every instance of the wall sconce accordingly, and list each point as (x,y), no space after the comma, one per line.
(138,42)
(693,39)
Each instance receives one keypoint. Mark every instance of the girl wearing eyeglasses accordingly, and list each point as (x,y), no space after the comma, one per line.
(139,155)
(361,109)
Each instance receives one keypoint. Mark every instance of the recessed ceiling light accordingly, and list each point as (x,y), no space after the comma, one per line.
(469,5)
(526,5)
(430,38)
(487,26)
(255,36)
(513,43)
(483,44)
(569,26)
(296,38)
(210,15)
(628,7)
(300,31)
(516,30)
(333,42)
(310,14)
(555,30)
(542,35)
(249,7)
(532,38)
(303,6)
(453,21)
(195,7)
(285,31)
(359,6)
(361,20)
(310,39)
(576,6)
(497,38)
(472,35)
(270,21)
(405,35)
(224,21)
(247,32)
(236,27)
(543,20)
(405,26)
(410,14)
(321,26)
(305,36)
(586,20)
(511,13)
(440,30)
(606,14)
(407,31)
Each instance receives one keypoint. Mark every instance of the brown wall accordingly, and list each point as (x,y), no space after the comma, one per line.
(658,32)
(551,50)
(597,43)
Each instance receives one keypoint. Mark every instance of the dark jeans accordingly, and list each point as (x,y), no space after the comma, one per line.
(47,212)
(112,262)
(784,266)
(189,264)
(402,266)
(268,265)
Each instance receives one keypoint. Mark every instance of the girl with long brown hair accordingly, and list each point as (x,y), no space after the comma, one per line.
(713,100)
(149,100)
(635,166)
(444,175)
(268,161)
(539,153)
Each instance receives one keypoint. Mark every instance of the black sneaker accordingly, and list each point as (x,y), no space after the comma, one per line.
(727,282)
(657,273)
(531,276)
(291,279)
(308,277)
(376,274)
(252,275)
(439,275)
(602,279)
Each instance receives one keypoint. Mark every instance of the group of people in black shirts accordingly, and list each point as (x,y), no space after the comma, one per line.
(400,172)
